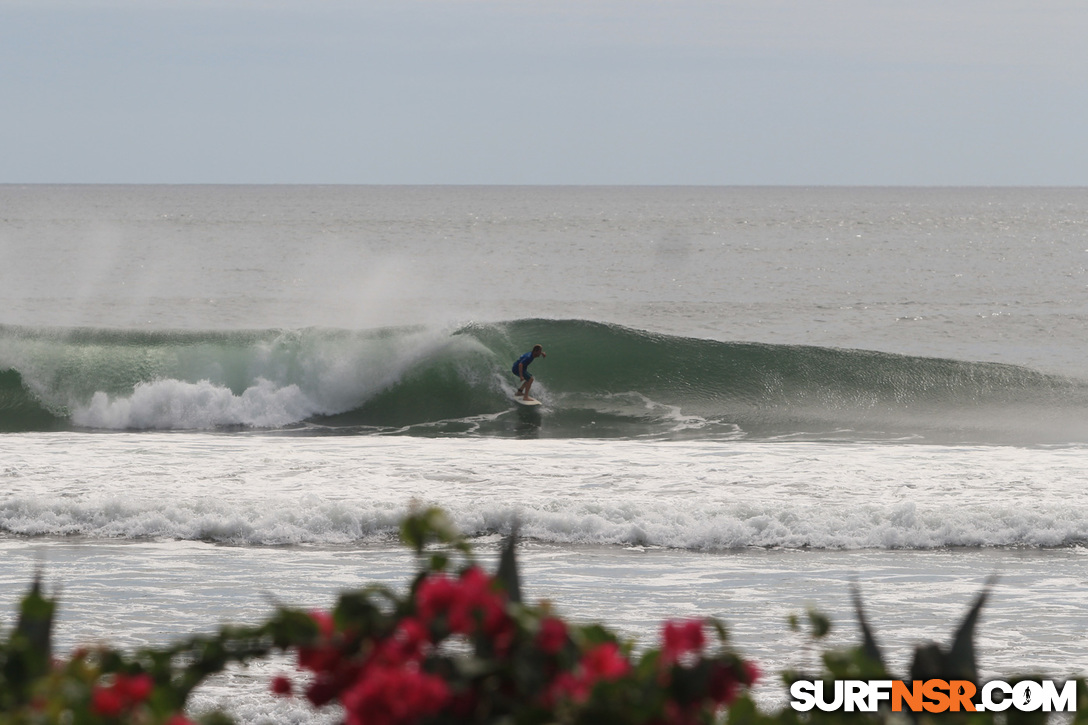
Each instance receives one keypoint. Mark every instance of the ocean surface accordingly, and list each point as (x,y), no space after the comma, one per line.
(211,397)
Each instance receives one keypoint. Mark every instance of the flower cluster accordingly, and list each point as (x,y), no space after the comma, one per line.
(458,649)
(122,695)
(378,680)
(683,662)
(468,605)
(601,663)
(383,670)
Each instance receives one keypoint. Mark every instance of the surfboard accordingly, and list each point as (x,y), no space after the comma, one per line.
(530,402)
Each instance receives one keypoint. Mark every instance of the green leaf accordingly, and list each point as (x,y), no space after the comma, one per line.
(958,663)
(422,526)
(29,649)
(869,644)
(507,573)
(961,658)
(819,623)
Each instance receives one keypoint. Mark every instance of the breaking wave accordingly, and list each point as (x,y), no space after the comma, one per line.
(599,380)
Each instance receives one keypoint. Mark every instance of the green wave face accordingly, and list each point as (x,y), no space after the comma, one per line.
(20,410)
(598,380)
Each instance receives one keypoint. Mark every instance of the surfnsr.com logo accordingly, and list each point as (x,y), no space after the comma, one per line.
(933,696)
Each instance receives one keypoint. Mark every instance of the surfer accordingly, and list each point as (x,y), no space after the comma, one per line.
(521,369)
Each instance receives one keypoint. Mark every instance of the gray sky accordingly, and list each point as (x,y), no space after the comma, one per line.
(925,92)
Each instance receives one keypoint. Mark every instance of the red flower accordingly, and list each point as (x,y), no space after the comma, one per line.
(552,635)
(394,696)
(435,596)
(605,662)
(324,656)
(134,688)
(477,602)
(725,680)
(126,691)
(328,685)
(412,636)
(469,604)
(326,627)
(407,644)
(282,686)
(567,685)
(106,701)
(680,638)
(319,659)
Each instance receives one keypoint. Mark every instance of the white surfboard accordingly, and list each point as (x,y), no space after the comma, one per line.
(522,401)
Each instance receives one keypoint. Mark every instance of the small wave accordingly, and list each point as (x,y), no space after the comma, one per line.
(271,523)
(661,523)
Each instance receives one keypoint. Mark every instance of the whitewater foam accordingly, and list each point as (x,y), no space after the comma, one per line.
(179,405)
(700,495)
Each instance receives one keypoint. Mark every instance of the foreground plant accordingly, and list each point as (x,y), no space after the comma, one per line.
(461,646)
(458,646)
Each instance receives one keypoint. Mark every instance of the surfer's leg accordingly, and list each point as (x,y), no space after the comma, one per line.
(528,384)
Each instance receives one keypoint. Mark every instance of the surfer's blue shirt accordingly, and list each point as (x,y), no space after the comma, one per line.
(524,360)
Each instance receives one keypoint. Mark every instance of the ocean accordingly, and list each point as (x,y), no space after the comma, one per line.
(214,398)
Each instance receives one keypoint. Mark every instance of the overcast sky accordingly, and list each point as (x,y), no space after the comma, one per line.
(918,92)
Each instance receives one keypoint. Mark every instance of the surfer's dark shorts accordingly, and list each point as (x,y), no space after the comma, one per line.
(528,375)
